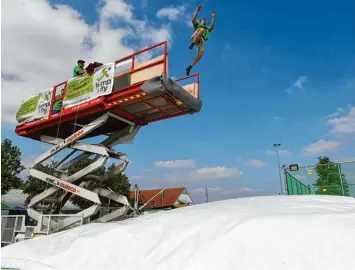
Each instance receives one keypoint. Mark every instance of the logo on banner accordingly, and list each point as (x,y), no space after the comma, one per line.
(47,96)
(103,81)
(45,103)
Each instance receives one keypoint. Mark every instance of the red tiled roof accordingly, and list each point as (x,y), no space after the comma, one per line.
(167,198)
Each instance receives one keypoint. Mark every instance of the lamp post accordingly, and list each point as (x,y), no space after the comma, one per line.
(277,145)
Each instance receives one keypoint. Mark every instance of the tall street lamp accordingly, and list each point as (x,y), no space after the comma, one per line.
(277,145)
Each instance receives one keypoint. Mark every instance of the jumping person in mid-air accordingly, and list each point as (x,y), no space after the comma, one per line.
(200,36)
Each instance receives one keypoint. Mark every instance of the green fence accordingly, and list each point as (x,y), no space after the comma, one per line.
(295,187)
(333,178)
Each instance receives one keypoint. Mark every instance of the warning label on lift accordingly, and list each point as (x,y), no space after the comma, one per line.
(62,185)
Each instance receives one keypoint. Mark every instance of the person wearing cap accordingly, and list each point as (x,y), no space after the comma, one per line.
(79,69)
(200,36)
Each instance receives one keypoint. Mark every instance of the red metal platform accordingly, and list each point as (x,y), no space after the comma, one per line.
(127,100)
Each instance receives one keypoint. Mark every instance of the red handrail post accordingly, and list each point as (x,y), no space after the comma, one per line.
(165,55)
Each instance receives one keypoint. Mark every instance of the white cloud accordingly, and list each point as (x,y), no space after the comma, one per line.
(171,13)
(222,193)
(240,190)
(214,189)
(321,146)
(343,122)
(176,14)
(236,191)
(276,118)
(299,83)
(202,174)
(56,37)
(188,163)
(210,189)
(281,153)
(215,173)
(255,163)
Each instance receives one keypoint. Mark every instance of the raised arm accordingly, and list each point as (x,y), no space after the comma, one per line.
(194,17)
(212,23)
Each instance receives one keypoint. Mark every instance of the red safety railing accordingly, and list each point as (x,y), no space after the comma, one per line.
(57,98)
(197,81)
(132,70)
(105,102)
(133,56)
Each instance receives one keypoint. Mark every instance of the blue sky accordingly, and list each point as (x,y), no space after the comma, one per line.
(280,71)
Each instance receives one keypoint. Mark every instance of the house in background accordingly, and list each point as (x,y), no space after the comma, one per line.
(162,199)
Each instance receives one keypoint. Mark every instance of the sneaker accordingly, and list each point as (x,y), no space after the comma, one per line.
(188,69)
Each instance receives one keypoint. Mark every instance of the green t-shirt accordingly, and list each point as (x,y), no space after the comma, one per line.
(57,106)
(76,70)
(205,34)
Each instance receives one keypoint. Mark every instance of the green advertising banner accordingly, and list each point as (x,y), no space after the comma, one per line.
(35,107)
(79,87)
(79,90)
(84,88)
(28,107)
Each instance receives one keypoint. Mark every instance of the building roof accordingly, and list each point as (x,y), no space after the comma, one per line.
(168,198)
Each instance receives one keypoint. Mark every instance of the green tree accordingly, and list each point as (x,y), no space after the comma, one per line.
(11,166)
(330,180)
(34,186)
(119,184)
(77,200)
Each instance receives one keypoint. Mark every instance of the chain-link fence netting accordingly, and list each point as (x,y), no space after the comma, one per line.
(332,178)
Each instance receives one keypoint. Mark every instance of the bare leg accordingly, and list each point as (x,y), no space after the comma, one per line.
(194,62)
(198,35)
(197,58)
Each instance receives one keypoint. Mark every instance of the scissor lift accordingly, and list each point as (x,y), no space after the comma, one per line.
(141,94)
(76,184)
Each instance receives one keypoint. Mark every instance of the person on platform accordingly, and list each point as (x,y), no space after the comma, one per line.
(200,36)
(79,69)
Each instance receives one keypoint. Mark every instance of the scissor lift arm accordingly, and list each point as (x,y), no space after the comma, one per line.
(79,183)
